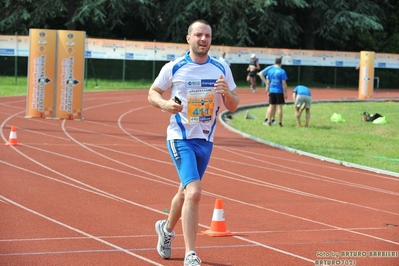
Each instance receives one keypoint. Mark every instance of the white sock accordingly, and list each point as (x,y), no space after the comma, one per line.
(190,252)
(165,229)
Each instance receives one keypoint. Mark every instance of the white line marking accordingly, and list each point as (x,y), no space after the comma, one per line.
(80,231)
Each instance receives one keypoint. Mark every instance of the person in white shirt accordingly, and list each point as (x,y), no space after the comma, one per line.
(223,58)
(199,86)
(253,69)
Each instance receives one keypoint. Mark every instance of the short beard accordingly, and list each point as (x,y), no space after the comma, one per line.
(200,53)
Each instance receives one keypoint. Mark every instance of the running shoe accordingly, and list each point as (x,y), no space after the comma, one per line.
(192,260)
(164,239)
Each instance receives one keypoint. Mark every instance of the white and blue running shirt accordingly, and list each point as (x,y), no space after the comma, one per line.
(193,84)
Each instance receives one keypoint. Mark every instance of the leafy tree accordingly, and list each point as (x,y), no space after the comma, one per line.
(304,24)
(235,22)
(336,24)
(273,23)
(21,15)
(340,21)
(386,41)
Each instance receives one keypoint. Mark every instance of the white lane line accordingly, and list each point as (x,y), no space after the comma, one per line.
(303,219)
(149,145)
(307,174)
(80,231)
(328,165)
(254,232)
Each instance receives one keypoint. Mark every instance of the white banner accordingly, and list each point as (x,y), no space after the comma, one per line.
(11,45)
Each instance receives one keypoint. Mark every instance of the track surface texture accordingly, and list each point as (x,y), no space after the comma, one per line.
(89,192)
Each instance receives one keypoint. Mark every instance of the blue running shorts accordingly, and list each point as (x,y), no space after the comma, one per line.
(190,157)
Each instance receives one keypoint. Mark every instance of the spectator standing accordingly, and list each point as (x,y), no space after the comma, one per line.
(276,88)
(263,76)
(253,69)
(223,58)
(302,100)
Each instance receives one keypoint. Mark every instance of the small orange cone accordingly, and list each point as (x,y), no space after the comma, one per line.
(12,141)
(218,225)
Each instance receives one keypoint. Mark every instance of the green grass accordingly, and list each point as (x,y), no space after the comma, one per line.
(11,86)
(353,141)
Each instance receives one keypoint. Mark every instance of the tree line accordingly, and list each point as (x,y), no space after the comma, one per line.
(348,25)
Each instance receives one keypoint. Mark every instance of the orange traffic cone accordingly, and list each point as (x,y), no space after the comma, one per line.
(218,225)
(12,141)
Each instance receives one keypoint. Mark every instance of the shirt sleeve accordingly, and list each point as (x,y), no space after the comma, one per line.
(164,78)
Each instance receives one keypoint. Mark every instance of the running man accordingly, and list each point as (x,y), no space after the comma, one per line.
(199,86)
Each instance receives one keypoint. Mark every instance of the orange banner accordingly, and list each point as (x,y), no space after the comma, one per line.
(41,73)
(366,75)
(70,74)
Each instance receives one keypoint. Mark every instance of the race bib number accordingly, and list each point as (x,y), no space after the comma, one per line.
(200,103)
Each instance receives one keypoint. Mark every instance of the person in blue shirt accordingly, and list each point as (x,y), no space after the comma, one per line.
(263,76)
(276,88)
(302,100)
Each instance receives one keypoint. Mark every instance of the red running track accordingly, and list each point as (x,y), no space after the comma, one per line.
(89,192)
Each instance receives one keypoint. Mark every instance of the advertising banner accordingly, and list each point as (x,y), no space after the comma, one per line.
(41,73)
(160,51)
(366,75)
(14,45)
(70,74)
